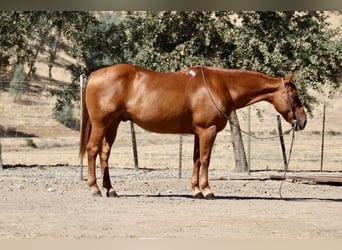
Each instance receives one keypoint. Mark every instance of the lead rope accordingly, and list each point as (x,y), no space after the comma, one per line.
(288,162)
(256,137)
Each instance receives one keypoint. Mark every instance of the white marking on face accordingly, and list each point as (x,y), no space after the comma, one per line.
(191,72)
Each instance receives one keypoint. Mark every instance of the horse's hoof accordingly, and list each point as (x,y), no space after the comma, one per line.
(210,196)
(112,193)
(97,194)
(198,195)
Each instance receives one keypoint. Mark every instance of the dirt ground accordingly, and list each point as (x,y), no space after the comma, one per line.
(53,203)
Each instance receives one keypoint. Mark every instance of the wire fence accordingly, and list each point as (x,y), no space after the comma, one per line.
(31,136)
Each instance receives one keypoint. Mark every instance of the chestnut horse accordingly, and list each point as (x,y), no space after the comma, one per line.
(195,100)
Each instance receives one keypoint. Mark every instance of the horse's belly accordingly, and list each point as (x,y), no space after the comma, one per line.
(163,123)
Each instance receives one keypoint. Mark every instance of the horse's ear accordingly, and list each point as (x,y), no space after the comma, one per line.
(291,77)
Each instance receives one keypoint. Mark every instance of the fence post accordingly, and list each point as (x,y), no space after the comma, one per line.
(282,144)
(1,166)
(134,145)
(81,122)
(180,156)
(249,142)
(323,132)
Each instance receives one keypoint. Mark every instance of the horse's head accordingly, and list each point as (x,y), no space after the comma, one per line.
(288,104)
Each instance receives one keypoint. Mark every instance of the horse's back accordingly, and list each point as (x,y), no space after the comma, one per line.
(113,72)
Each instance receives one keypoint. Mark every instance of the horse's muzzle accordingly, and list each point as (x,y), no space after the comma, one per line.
(298,125)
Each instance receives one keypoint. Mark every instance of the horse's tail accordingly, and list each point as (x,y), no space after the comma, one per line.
(85,129)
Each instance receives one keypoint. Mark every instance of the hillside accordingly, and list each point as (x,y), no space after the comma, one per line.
(36,106)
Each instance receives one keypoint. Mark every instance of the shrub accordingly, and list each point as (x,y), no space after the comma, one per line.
(30,143)
(17,82)
(332,132)
(64,106)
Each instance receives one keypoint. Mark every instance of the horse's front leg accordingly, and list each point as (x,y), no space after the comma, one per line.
(196,171)
(206,141)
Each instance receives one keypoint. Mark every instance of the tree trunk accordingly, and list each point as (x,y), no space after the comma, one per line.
(39,47)
(238,148)
(53,51)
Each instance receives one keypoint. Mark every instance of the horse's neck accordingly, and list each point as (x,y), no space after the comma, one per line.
(251,87)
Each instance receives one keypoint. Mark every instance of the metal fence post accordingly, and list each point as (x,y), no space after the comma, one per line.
(180,156)
(81,121)
(323,132)
(134,145)
(282,144)
(249,141)
(1,166)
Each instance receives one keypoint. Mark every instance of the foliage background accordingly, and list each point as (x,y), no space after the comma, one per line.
(272,42)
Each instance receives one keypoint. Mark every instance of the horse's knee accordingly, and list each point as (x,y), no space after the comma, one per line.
(92,150)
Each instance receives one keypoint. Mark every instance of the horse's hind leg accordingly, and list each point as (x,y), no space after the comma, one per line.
(107,143)
(93,148)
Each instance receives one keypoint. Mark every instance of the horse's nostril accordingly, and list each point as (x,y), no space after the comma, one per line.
(301,125)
